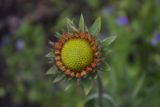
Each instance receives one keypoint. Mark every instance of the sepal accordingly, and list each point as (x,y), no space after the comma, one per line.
(96,27)
(109,40)
(81,23)
(52,71)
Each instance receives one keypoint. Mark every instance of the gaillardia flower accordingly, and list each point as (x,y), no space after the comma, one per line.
(78,54)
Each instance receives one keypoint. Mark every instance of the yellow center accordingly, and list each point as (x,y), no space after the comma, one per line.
(76,54)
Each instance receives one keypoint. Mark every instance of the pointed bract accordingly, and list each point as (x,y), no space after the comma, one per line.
(96,27)
(58,35)
(109,40)
(50,55)
(81,23)
(52,71)
(87,86)
(58,78)
(70,25)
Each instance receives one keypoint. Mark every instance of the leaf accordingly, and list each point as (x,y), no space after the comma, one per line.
(68,83)
(85,28)
(68,86)
(87,86)
(58,35)
(105,96)
(109,40)
(139,86)
(52,71)
(107,67)
(50,54)
(96,27)
(70,25)
(58,78)
(81,23)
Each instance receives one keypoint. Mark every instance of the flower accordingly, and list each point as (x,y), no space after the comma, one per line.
(122,20)
(155,39)
(78,54)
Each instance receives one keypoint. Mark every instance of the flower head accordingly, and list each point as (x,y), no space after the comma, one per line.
(78,54)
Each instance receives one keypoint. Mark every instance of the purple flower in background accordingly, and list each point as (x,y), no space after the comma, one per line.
(122,20)
(20,44)
(155,39)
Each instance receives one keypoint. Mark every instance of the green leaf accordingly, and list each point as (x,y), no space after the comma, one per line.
(68,86)
(50,55)
(139,86)
(107,67)
(70,25)
(67,83)
(58,78)
(81,23)
(105,96)
(58,35)
(96,27)
(87,86)
(52,71)
(109,40)
(85,28)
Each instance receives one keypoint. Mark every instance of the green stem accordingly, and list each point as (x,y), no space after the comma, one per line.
(100,90)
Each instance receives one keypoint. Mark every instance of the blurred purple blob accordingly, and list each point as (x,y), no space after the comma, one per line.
(20,44)
(107,10)
(155,39)
(122,20)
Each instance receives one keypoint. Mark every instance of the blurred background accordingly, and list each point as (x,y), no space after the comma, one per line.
(26,26)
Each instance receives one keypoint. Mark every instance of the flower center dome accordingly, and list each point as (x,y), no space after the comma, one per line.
(76,54)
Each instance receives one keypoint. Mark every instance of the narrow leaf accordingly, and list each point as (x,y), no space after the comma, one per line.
(58,78)
(52,71)
(139,86)
(68,86)
(86,28)
(105,96)
(81,23)
(107,67)
(109,40)
(49,55)
(68,83)
(71,26)
(58,35)
(96,27)
(87,86)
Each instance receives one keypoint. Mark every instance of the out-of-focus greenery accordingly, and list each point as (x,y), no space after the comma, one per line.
(134,79)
